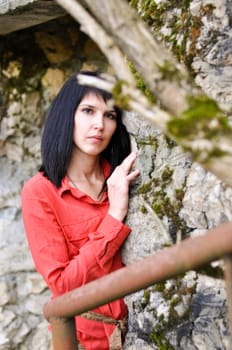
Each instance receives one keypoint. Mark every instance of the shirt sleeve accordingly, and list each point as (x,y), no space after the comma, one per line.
(96,258)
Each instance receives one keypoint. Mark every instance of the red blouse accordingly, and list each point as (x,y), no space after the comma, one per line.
(73,240)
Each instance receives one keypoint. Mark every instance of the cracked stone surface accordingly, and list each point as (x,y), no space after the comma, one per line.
(181,199)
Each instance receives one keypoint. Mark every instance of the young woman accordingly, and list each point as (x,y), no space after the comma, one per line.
(74,207)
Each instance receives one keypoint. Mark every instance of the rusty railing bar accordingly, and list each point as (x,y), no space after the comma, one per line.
(228,282)
(64,333)
(166,263)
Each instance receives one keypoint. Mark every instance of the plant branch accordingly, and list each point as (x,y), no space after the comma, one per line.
(189,117)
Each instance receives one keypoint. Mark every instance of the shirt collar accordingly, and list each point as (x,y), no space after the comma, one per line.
(66,187)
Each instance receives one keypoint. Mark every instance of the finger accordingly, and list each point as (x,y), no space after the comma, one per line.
(133,175)
(128,161)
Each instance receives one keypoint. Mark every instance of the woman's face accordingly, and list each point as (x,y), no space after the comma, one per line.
(94,125)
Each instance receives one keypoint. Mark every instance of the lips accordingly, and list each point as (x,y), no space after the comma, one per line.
(96,137)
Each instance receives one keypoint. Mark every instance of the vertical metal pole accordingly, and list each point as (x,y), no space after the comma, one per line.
(228,281)
(63,333)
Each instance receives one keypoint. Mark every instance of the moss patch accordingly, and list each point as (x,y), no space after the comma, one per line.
(150,140)
(155,193)
(140,84)
(183,28)
(143,209)
(173,295)
(158,338)
(209,270)
(120,98)
(169,72)
(196,119)
(204,120)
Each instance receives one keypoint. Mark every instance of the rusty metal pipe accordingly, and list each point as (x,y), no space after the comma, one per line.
(169,262)
(228,282)
(64,333)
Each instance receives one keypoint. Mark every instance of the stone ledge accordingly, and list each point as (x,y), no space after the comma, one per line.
(7,5)
(16,15)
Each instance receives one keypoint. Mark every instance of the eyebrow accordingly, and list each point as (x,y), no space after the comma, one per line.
(93,106)
(85,104)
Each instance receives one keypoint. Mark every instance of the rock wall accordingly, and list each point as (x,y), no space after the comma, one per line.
(20,14)
(199,34)
(177,199)
(8,5)
(35,63)
(173,198)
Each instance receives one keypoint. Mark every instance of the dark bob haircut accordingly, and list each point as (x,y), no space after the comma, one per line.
(57,137)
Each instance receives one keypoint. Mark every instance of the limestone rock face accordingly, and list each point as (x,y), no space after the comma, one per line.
(20,14)
(8,5)
(28,85)
(199,33)
(172,199)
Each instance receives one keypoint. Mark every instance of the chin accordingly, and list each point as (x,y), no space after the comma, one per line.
(94,153)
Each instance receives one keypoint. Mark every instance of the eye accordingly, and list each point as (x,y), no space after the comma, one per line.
(87,110)
(111,115)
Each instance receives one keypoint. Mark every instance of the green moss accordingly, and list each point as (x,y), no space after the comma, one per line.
(147,10)
(120,98)
(170,143)
(184,28)
(202,119)
(146,295)
(201,105)
(161,206)
(175,300)
(167,174)
(196,120)
(173,294)
(143,209)
(155,192)
(149,141)
(31,66)
(169,72)
(159,287)
(147,187)
(216,153)
(158,338)
(141,84)
(133,3)
(209,270)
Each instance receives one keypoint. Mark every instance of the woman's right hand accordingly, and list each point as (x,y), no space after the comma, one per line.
(118,187)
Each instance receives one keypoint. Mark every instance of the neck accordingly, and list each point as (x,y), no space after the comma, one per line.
(84,168)
(87,176)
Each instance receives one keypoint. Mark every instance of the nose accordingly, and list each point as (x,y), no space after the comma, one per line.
(99,121)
